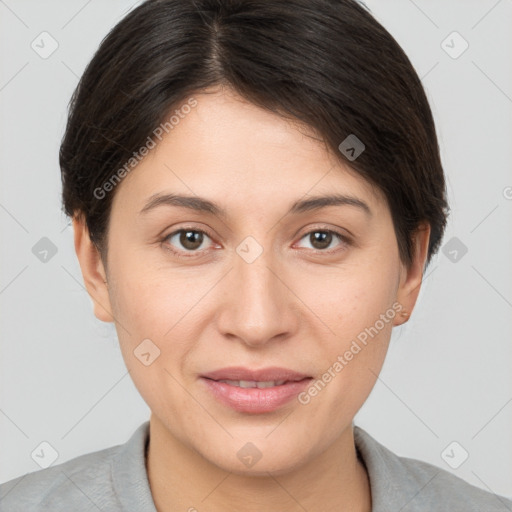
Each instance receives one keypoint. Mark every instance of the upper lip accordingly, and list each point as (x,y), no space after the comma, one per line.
(273,373)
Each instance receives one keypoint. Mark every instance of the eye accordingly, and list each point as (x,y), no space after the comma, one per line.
(193,241)
(321,239)
(190,240)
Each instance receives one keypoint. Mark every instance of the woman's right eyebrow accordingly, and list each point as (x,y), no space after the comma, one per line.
(196,203)
(201,204)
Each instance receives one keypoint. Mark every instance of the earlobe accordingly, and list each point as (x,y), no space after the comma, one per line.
(93,270)
(411,278)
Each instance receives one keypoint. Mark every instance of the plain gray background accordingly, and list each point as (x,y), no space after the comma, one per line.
(447,375)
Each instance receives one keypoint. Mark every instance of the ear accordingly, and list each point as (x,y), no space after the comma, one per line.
(93,270)
(411,277)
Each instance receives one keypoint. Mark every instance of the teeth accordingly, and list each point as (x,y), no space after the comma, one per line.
(268,384)
(253,383)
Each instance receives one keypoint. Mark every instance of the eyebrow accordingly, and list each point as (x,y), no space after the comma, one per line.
(200,204)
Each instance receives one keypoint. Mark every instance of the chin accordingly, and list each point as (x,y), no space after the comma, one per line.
(257,459)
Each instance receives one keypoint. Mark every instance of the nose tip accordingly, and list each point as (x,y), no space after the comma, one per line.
(257,307)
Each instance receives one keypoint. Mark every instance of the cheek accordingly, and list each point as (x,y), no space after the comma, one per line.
(144,297)
(147,312)
(150,325)
(366,308)
(359,309)
(358,297)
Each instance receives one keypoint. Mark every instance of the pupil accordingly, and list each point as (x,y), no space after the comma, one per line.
(189,239)
(324,239)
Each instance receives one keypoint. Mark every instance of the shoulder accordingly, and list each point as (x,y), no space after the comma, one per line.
(112,479)
(78,484)
(417,486)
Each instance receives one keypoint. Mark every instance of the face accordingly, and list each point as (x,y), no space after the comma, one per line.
(255,284)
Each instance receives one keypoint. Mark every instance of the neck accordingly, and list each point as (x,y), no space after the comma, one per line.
(183,480)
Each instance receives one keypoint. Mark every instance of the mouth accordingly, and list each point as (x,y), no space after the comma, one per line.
(257,384)
(274,374)
(255,391)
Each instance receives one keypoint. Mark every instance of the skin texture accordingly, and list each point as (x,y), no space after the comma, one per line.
(294,306)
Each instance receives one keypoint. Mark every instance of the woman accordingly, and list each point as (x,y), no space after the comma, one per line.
(256,190)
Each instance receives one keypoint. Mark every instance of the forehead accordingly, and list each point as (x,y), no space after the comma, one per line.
(226,147)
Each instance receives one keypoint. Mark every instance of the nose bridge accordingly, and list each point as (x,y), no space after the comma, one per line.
(256,308)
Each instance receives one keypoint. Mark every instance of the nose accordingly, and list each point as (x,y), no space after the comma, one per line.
(258,304)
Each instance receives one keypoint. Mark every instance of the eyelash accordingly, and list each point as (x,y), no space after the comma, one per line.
(180,254)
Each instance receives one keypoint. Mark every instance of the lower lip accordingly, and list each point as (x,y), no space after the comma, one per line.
(255,400)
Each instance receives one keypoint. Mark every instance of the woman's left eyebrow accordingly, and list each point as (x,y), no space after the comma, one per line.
(315,203)
(201,204)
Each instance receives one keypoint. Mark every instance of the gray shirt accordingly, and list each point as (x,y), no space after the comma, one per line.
(115,480)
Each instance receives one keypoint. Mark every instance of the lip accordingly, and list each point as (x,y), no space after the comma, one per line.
(255,400)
